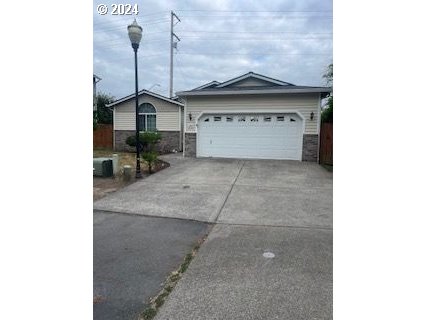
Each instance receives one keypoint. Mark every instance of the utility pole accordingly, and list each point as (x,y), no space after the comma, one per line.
(173,44)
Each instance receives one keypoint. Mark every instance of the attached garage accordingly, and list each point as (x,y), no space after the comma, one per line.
(250,136)
(253,117)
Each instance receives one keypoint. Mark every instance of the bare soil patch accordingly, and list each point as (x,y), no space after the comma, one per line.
(103,186)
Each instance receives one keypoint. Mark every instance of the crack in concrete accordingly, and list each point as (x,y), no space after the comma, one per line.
(229,192)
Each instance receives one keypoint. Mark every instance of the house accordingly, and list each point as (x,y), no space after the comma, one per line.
(155,113)
(253,116)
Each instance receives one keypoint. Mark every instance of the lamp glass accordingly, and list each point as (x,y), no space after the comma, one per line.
(135,32)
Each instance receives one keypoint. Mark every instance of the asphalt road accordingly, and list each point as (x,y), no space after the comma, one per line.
(133,256)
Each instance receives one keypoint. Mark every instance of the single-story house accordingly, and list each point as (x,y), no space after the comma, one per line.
(155,113)
(252,116)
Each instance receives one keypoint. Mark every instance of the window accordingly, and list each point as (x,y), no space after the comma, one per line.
(147,117)
(267,119)
(229,119)
(217,118)
(292,120)
(241,118)
(254,119)
(206,119)
(280,118)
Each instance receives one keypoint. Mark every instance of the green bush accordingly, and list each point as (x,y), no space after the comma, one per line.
(150,157)
(147,139)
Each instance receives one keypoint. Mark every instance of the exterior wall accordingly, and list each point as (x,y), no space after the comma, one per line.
(190,144)
(304,103)
(168,143)
(167,114)
(310,147)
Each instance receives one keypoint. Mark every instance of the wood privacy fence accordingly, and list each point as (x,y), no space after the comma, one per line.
(102,136)
(326,143)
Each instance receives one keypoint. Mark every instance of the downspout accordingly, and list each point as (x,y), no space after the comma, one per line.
(184,127)
(319,128)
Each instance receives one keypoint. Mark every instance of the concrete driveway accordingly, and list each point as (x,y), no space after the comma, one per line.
(255,192)
(269,256)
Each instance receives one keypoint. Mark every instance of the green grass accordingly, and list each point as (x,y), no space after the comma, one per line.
(171,282)
(149,313)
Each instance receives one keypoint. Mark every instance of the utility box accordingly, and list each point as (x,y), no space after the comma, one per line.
(102,167)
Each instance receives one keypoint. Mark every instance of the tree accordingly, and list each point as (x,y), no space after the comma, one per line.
(104,114)
(327,113)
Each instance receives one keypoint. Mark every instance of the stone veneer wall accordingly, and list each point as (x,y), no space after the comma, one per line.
(190,144)
(168,143)
(310,147)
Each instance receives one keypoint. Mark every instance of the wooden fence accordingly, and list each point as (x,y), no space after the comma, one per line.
(326,144)
(102,136)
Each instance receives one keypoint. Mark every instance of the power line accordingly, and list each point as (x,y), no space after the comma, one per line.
(253,39)
(259,17)
(249,32)
(125,27)
(274,11)
(255,53)
(138,16)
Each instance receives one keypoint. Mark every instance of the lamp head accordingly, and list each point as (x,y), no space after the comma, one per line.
(135,34)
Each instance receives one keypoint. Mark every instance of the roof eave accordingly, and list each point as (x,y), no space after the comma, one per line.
(260,91)
(152,94)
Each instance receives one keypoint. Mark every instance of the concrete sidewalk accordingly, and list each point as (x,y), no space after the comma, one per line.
(231,279)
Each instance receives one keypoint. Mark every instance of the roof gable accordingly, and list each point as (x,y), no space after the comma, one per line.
(252,79)
(252,83)
(142,92)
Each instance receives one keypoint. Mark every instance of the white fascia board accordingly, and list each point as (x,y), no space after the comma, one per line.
(253,75)
(152,94)
(260,91)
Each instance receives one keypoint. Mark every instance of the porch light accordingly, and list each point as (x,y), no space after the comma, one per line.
(312,116)
(190,116)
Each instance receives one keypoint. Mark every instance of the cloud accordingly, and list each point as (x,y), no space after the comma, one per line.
(291,41)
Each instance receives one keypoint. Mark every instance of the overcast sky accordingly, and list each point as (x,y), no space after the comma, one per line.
(221,39)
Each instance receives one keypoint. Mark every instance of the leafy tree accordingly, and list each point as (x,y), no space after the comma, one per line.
(327,113)
(104,114)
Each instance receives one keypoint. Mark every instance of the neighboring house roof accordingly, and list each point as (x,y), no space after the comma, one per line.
(144,91)
(264,85)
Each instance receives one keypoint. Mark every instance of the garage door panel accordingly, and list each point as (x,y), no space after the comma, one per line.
(259,136)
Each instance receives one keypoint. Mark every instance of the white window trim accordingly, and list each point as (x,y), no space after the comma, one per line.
(150,114)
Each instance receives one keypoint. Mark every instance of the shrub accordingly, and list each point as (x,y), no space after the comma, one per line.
(150,157)
(147,140)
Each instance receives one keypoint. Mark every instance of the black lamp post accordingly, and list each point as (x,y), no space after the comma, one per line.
(135,35)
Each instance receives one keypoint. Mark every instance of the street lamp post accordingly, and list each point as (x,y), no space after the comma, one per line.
(135,35)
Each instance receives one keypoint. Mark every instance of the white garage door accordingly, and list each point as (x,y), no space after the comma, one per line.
(252,136)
